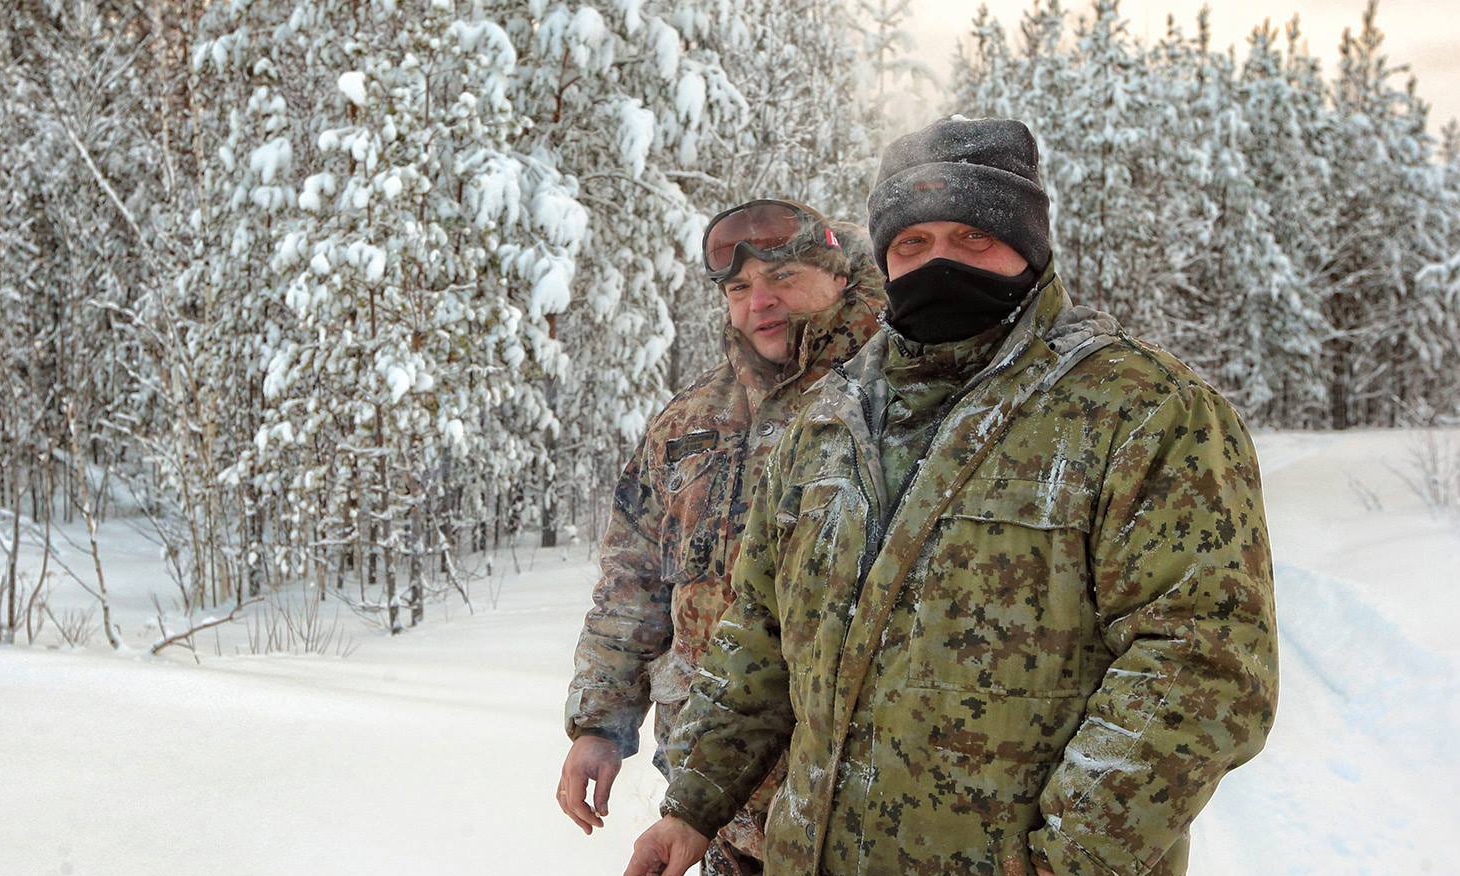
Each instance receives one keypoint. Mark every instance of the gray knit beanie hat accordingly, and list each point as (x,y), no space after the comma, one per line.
(981,172)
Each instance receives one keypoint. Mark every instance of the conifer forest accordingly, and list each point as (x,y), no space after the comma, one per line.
(358,292)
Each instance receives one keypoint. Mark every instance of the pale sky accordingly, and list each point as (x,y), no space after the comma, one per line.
(1422,33)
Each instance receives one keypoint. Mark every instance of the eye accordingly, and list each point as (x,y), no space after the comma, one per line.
(783,275)
(912,240)
(736,290)
(978,239)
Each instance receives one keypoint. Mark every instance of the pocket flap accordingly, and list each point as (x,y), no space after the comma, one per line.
(689,469)
(813,496)
(1064,504)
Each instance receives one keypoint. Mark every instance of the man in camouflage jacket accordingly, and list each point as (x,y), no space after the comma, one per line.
(680,507)
(1005,593)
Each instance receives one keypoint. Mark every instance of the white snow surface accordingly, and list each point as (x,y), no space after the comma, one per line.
(438,751)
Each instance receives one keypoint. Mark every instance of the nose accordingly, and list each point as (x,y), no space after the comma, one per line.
(942,249)
(762,296)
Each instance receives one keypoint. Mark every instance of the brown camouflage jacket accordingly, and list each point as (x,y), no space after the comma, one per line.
(1048,651)
(678,512)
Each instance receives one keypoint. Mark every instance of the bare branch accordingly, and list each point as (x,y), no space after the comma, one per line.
(205,625)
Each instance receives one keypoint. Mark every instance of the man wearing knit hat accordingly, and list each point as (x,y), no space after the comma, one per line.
(801,295)
(1005,594)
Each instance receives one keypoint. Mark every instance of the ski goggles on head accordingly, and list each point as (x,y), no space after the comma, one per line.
(769,230)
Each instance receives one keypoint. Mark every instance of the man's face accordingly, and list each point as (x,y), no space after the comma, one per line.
(916,245)
(762,295)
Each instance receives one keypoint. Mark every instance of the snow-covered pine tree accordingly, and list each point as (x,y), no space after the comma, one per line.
(1195,197)
(1429,358)
(1110,222)
(898,81)
(633,102)
(812,134)
(1257,332)
(409,262)
(987,81)
(1384,186)
(1283,331)
(207,325)
(88,182)
(1450,161)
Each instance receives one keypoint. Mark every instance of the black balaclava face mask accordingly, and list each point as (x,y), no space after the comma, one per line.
(945,300)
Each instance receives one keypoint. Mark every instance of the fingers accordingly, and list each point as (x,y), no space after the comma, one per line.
(577,808)
(572,794)
(646,861)
(602,786)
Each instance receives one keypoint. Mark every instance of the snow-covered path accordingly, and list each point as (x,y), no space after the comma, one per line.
(437,752)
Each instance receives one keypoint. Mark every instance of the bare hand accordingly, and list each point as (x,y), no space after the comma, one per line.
(1043,872)
(591,757)
(669,848)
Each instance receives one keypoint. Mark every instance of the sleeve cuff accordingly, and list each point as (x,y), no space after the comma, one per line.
(697,802)
(705,828)
(624,736)
(626,747)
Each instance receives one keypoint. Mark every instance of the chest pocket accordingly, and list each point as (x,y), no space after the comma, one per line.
(1002,586)
(696,490)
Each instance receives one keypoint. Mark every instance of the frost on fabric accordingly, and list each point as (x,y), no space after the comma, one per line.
(1114,728)
(1100,762)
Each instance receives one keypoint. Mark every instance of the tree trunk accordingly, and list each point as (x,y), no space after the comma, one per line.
(7,635)
(417,591)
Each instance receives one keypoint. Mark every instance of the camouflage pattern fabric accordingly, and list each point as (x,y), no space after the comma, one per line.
(922,381)
(1047,653)
(678,512)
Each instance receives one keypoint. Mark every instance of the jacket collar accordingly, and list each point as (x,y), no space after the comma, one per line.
(852,392)
(1046,302)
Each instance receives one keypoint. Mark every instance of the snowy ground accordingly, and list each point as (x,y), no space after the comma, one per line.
(437,752)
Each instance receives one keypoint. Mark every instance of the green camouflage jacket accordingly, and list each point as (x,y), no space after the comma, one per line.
(1048,652)
(677,515)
